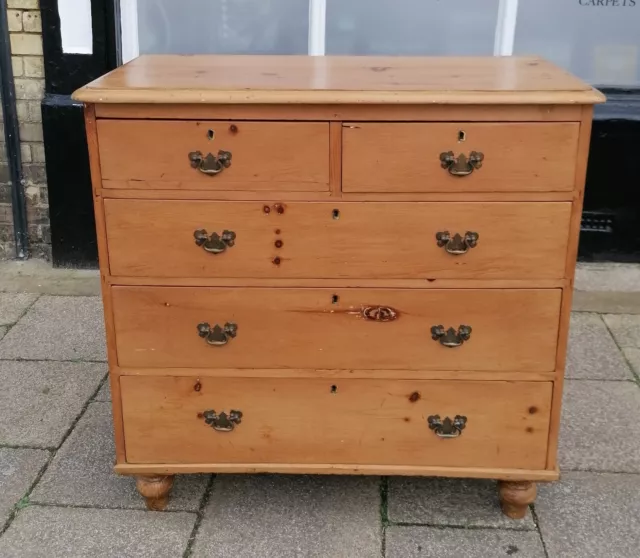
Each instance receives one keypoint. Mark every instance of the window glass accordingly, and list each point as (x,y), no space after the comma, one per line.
(598,40)
(411,27)
(223,26)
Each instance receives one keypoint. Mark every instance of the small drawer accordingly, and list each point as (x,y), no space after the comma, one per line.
(380,422)
(381,329)
(420,240)
(459,157)
(214,155)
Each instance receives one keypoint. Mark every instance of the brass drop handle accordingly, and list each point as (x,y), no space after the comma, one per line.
(210,164)
(450,337)
(222,422)
(447,428)
(217,335)
(456,244)
(214,243)
(461,165)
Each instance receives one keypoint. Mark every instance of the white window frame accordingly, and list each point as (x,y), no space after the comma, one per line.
(503,41)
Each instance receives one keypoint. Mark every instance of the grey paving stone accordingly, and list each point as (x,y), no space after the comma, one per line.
(58,328)
(291,516)
(591,515)
(81,473)
(633,356)
(625,328)
(595,276)
(593,354)
(3,331)
(105,392)
(50,532)
(13,305)
(433,542)
(455,502)
(18,469)
(606,302)
(39,400)
(600,430)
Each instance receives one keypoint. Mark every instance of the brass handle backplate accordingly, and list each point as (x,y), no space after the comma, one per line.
(217,335)
(457,244)
(210,164)
(214,243)
(222,422)
(447,428)
(461,165)
(450,337)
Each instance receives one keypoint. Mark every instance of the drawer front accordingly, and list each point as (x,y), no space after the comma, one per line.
(384,329)
(339,240)
(179,420)
(520,157)
(143,154)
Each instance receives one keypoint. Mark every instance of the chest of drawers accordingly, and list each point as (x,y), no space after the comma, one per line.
(338,265)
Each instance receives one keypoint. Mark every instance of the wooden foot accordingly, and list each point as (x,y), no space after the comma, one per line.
(155,490)
(515,497)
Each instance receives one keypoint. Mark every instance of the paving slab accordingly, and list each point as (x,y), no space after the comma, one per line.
(607,276)
(81,473)
(625,328)
(633,357)
(291,516)
(52,532)
(3,331)
(105,392)
(592,352)
(600,430)
(39,400)
(454,502)
(58,328)
(606,302)
(433,542)
(18,470)
(14,305)
(590,515)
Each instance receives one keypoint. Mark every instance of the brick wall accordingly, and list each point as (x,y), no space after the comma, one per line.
(25,27)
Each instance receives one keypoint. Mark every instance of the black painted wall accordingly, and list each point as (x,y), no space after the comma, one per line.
(73,236)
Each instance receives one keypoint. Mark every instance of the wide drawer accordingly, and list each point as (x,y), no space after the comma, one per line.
(339,240)
(518,157)
(478,424)
(143,154)
(387,329)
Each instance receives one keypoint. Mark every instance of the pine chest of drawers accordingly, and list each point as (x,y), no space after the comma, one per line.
(338,265)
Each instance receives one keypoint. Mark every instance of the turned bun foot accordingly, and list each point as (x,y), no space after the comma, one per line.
(155,490)
(515,497)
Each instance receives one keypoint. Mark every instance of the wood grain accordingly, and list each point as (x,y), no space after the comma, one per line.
(490,375)
(346,112)
(142,189)
(539,475)
(338,79)
(103,255)
(567,293)
(335,159)
(341,283)
(265,155)
(324,328)
(350,421)
(406,157)
(338,240)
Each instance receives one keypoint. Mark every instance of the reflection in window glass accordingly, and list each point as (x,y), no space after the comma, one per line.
(223,26)
(597,40)
(411,27)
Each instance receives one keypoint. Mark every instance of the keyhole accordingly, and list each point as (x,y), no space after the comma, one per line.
(335,299)
(210,134)
(336,214)
(334,389)
(462,135)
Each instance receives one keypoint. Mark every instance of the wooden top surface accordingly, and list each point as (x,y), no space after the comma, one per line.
(338,79)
